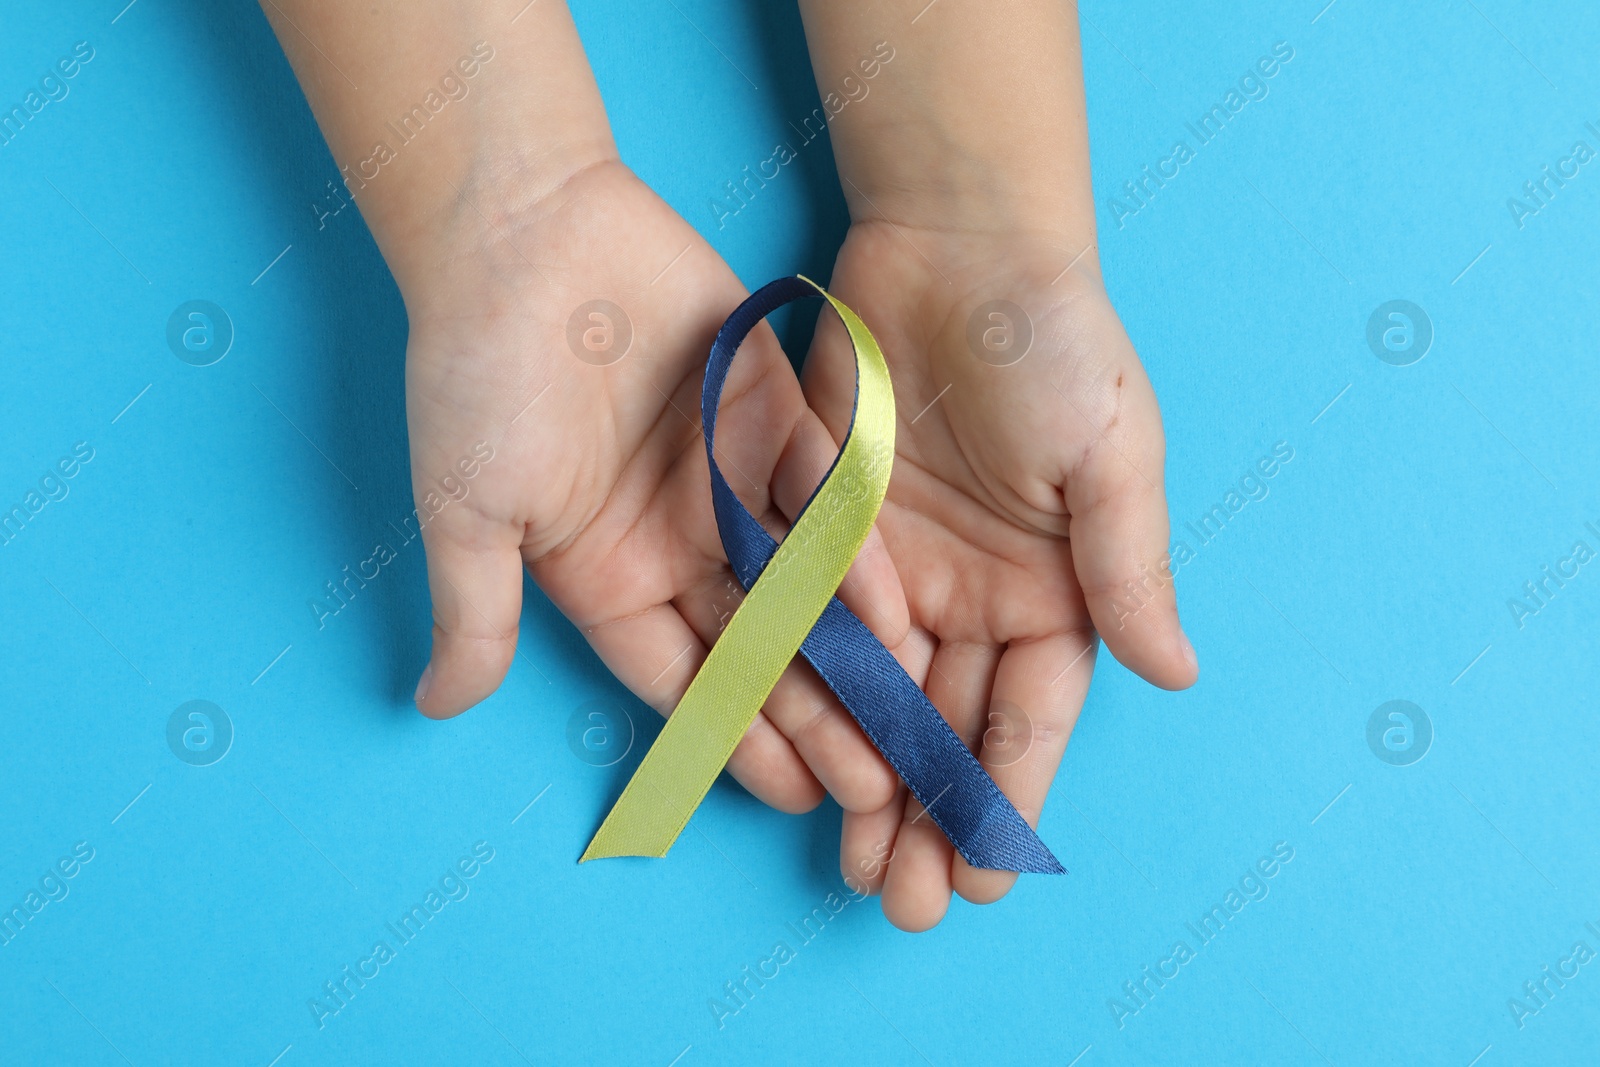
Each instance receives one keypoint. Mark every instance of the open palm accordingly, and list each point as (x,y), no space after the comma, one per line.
(1026,496)
(598,483)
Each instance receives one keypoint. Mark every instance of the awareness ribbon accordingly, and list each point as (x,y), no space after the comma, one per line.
(791,607)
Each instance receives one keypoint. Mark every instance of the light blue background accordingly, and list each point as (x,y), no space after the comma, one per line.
(1379,567)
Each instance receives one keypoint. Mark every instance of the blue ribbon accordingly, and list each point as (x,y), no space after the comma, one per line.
(892,710)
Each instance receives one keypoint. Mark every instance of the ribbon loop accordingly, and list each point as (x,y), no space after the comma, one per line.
(791,607)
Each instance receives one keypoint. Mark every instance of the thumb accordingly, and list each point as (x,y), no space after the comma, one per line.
(1118,533)
(475,579)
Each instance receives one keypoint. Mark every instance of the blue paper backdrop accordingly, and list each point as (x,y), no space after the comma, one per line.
(1377,564)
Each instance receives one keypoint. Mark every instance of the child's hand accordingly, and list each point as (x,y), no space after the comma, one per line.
(598,482)
(507,217)
(1025,500)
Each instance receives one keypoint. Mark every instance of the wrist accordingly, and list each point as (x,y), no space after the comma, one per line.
(951,265)
(461,122)
(483,251)
(943,181)
(469,216)
(968,123)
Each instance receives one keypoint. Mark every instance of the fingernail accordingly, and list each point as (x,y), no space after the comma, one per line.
(1188,651)
(427,679)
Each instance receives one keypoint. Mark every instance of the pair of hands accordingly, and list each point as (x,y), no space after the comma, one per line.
(1024,498)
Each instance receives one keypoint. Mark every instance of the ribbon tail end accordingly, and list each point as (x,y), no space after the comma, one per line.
(600,851)
(1038,860)
(614,841)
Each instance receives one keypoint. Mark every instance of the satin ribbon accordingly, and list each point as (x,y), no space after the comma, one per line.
(791,607)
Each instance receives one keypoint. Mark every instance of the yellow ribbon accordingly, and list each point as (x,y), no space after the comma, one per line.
(768,628)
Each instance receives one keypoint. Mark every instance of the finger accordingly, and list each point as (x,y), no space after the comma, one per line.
(656,654)
(917,888)
(1119,536)
(801,707)
(806,712)
(475,580)
(866,841)
(915,656)
(959,681)
(1038,692)
(866,845)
